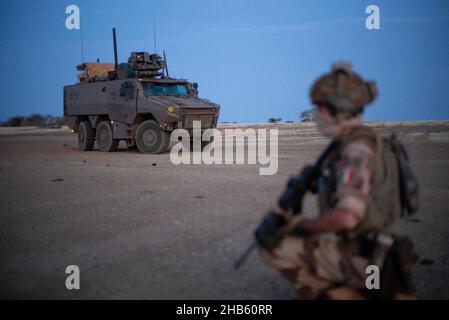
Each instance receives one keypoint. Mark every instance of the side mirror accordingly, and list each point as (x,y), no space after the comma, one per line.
(195,85)
(127,90)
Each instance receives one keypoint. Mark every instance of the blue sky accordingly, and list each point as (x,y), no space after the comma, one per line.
(256,58)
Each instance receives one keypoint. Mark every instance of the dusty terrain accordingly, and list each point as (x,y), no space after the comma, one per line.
(140,227)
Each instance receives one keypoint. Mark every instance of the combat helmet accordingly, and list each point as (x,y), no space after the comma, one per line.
(343,90)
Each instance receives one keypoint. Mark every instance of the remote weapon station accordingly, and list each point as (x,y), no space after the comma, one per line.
(136,102)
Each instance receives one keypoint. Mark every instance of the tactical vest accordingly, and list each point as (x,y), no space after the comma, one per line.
(384,200)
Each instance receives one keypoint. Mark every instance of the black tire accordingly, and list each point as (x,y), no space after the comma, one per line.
(150,138)
(86,136)
(105,140)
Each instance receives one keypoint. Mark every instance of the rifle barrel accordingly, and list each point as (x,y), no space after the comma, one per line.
(245,255)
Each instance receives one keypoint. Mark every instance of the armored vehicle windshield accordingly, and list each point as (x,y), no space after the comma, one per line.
(165,89)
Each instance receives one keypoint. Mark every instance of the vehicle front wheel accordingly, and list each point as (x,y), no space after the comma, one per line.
(150,138)
(86,136)
(105,140)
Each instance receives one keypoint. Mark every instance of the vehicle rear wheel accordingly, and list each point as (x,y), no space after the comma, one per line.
(150,138)
(105,140)
(86,136)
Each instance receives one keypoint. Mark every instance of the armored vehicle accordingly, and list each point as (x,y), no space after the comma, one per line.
(136,102)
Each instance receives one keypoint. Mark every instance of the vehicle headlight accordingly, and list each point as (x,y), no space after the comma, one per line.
(170,109)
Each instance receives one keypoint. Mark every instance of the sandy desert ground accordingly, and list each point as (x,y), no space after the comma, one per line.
(140,227)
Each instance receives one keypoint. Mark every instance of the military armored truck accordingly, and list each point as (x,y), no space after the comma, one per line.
(136,102)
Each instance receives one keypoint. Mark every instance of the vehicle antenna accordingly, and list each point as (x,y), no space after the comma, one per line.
(115,50)
(166,64)
(154,33)
(82,47)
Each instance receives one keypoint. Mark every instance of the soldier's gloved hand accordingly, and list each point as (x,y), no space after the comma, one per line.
(267,234)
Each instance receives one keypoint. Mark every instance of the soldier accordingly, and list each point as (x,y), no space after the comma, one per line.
(359,196)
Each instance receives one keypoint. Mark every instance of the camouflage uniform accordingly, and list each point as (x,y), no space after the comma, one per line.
(358,177)
(320,262)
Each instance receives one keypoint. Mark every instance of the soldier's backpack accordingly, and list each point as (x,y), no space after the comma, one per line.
(409,186)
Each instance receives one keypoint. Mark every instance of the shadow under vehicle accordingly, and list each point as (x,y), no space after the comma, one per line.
(136,102)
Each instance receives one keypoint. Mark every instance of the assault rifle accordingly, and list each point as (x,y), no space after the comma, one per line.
(297,187)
